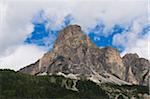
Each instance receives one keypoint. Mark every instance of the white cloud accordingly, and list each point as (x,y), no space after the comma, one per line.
(22,56)
(140,46)
(16,15)
(13,27)
(134,41)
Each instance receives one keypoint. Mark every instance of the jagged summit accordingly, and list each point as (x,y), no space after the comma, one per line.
(71,36)
(74,53)
(137,69)
(68,32)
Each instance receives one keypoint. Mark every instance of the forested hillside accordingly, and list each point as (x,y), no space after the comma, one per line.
(18,85)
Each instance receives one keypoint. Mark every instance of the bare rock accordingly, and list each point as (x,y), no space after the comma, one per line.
(137,69)
(74,53)
(32,69)
(112,62)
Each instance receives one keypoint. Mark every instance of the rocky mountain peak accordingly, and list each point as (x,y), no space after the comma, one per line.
(68,32)
(130,57)
(71,36)
(137,69)
(74,53)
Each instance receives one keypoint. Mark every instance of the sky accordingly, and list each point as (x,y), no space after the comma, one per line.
(29,28)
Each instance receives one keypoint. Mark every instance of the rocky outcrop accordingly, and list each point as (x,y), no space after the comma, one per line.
(74,53)
(32,69)
(137,69)
(112,62)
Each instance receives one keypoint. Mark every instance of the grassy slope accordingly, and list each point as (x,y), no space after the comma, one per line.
(17,85)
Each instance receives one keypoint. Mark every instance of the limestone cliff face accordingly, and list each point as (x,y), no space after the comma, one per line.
(112,62)
(137,69)
(74,53)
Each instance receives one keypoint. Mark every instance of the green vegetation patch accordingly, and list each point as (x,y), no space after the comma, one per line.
(17,85)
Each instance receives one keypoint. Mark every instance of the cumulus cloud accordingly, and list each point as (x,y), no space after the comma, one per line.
(140,46)
(16,16)
(13,27)
(135,40)
(19,13)
(22,56)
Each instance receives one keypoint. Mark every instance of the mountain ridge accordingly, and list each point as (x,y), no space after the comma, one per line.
(74,53)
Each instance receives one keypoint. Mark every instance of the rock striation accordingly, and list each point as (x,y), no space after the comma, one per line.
(137,69)
(74,53)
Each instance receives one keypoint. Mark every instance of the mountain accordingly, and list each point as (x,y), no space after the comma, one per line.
(74,55)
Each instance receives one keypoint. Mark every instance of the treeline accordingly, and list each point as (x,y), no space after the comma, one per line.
(18,85)
(22,86)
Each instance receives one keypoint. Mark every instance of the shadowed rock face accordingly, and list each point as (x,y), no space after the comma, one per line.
(137,69)
(74,53)
(31,69)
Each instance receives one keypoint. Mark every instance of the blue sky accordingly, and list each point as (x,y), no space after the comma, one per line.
(96,33)
(29,28)
(40,33)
